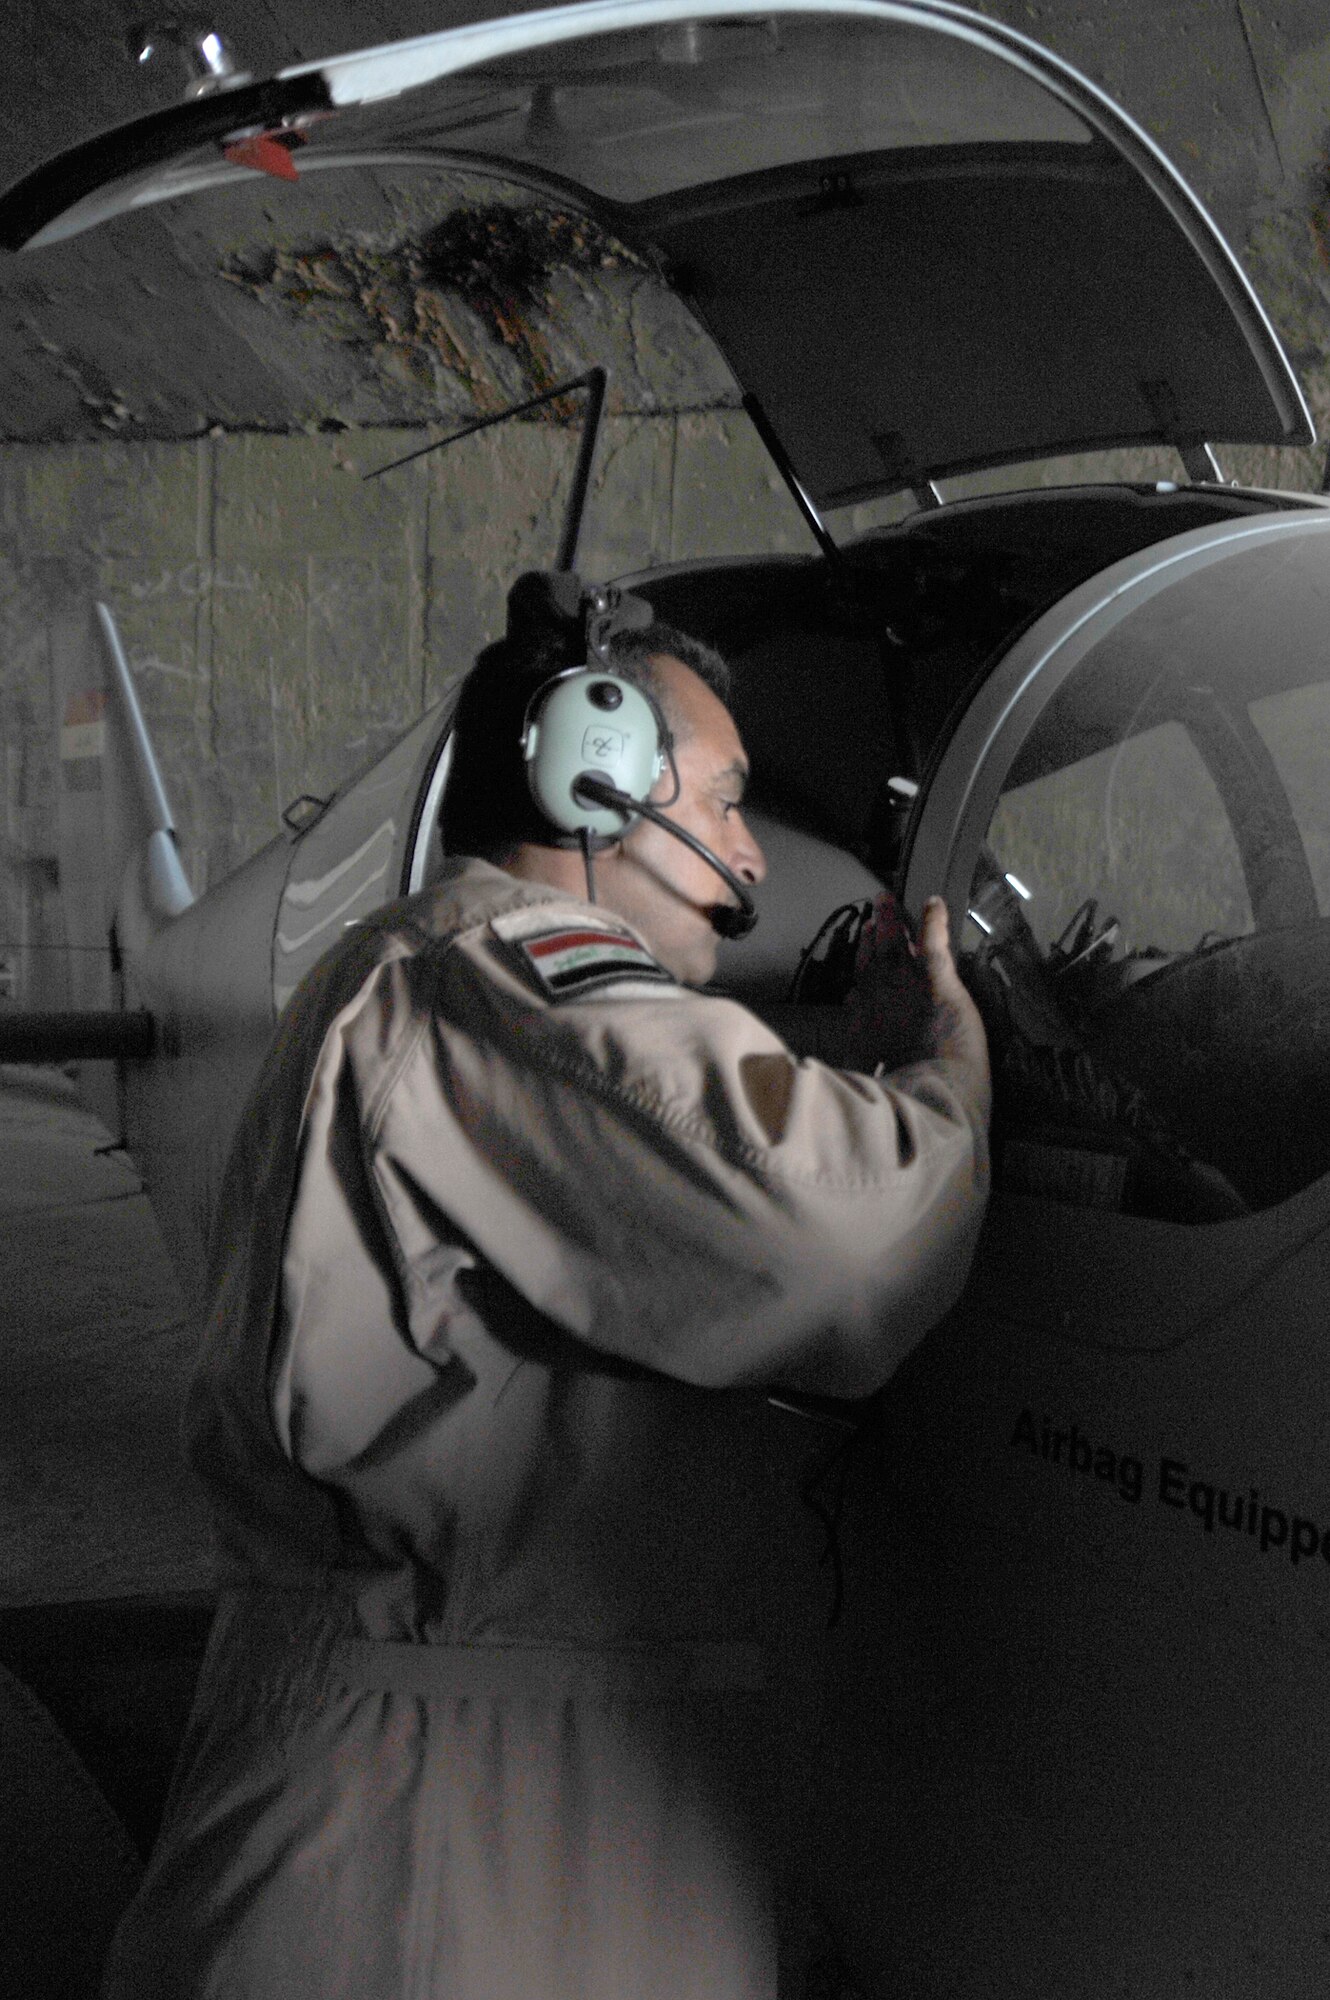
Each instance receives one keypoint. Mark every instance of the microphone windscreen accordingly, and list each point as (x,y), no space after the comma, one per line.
(732,922)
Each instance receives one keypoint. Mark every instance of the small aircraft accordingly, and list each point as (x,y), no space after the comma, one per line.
(1077,1723)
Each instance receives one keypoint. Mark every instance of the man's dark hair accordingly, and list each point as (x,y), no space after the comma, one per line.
(632,653)
(487,804)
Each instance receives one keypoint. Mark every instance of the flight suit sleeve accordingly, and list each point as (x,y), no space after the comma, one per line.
(655,1172)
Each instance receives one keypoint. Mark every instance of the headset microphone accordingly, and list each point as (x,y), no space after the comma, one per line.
(729,920)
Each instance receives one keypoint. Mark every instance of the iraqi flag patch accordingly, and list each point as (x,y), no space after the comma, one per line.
(577,959)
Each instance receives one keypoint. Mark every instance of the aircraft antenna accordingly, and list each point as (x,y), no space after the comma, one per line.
(593,382)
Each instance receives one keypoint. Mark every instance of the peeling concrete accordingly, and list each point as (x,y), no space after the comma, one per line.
(106,405)
(427,312)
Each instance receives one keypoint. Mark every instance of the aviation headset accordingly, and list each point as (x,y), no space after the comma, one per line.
(595,744)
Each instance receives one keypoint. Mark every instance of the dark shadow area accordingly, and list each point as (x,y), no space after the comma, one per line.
(117,1678)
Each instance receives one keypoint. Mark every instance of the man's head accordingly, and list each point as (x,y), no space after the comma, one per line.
(649,877)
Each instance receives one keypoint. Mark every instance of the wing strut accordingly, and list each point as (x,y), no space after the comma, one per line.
(761,423)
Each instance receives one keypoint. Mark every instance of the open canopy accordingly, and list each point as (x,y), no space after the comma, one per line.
(923,244)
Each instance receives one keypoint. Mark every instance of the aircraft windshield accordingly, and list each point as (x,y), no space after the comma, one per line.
(651,111)
(626,116)
(1152,906)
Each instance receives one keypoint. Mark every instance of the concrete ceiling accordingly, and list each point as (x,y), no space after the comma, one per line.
(100,337)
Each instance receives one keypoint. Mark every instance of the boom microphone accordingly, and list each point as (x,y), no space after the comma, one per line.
(729,920)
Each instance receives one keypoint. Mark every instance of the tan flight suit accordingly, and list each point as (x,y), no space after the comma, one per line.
(508,1693)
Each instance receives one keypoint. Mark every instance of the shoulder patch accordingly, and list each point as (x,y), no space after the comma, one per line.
(572,959)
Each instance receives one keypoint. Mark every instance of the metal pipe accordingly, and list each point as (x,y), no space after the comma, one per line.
(56,1038)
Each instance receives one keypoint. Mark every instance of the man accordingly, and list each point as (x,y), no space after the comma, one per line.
(505,1697)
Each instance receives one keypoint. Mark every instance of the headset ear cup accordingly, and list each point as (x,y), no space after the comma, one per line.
(589,721)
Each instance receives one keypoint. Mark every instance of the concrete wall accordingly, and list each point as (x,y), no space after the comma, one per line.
(285,619)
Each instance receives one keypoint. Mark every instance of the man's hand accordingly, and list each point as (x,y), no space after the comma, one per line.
(958,1032)
(908,1002)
